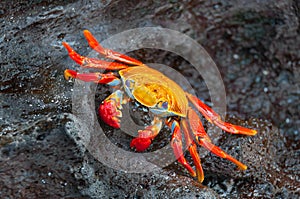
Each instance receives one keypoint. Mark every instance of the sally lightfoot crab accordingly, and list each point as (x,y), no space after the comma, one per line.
(167,101)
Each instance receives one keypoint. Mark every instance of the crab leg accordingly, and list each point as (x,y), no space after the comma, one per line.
(86,62)
(107,52)
(192,147)
(176,144)
(219,152)
(203,139)
(143,141)
(213,117)
(107,78)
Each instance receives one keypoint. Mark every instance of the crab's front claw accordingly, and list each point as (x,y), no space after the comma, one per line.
(140,143)
(145,137)
(109,114)
(109,109)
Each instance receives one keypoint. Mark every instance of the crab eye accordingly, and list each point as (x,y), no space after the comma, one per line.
(163,105)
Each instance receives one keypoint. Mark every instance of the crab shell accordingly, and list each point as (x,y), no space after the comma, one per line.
(152,89)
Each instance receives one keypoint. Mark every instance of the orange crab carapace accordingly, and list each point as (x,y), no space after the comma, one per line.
(165,99)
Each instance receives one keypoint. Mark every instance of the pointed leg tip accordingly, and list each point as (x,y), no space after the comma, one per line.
(91,39)
(241,166)
(67,46)
(86,30)
(200,176)
(73,54)
(249,132)
(200,179)
(68,74)
(254,132)
(87,33)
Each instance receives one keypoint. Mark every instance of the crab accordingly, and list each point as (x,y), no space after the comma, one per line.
(164,98)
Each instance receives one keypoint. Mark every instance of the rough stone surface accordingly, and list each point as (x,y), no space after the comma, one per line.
(255,44)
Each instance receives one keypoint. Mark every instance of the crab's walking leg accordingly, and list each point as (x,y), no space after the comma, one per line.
(107,78)
(144,138)
(219,152)
(192,147)
(213,117)
(176,144)
(203,139)
(87,62)
(107,52)
(109,109)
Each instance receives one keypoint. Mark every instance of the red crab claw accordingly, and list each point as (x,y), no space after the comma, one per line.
(109,114)
(145,137)
(142,142)
(109,109)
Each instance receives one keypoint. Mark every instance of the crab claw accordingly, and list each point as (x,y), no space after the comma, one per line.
(145,137)
(142,142)
(109,114)
(109,109)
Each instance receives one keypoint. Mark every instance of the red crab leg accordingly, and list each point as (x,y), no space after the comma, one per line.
(107,52)
(213,117)
(86,62)
(203,139)
(219,152)
(192,147)
(107,78)
(145,137)
(176,144)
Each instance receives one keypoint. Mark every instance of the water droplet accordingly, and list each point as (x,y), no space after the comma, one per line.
(236,56)
(216,6)
(265,72)
(287,120)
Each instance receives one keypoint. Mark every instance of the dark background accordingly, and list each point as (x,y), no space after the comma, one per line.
(255,45)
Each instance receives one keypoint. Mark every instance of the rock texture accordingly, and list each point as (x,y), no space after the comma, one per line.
(255,44)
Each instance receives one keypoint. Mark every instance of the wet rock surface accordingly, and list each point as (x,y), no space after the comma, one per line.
(255,44)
